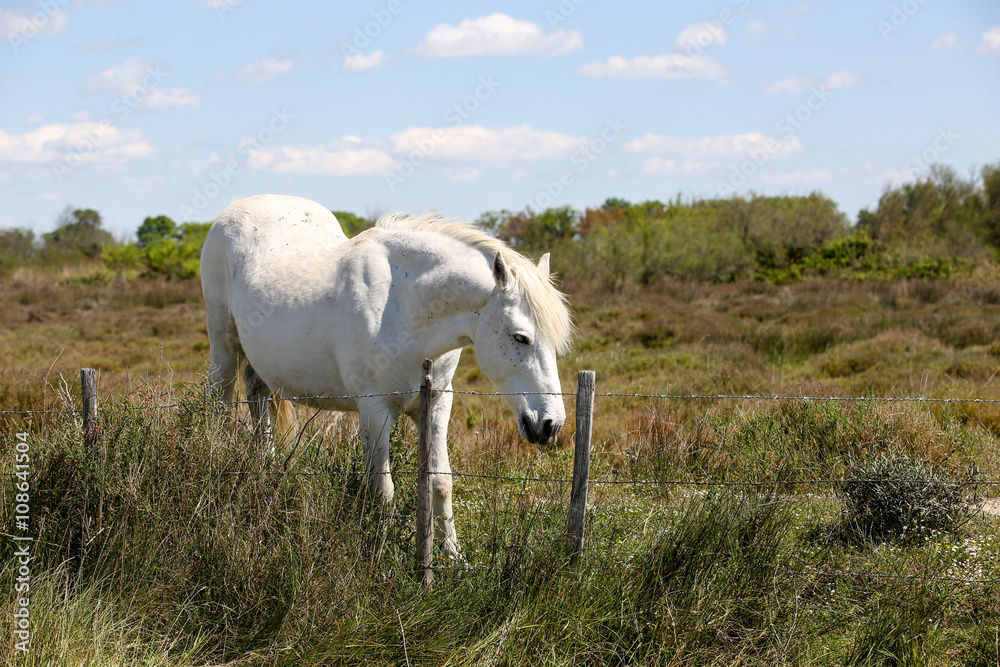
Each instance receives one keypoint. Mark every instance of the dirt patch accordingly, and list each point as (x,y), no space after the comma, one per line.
(991,507)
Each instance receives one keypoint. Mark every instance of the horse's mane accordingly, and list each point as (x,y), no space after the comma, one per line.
(547,304)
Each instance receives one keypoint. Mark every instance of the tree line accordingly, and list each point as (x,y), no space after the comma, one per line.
(929,228)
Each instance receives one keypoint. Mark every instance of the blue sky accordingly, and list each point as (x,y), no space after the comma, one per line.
(155,108)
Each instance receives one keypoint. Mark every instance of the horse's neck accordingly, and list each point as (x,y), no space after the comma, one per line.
(442,288)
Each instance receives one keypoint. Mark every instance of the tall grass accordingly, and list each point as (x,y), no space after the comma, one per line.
(186,543)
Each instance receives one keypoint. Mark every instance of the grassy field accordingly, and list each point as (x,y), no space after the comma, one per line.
(201,550)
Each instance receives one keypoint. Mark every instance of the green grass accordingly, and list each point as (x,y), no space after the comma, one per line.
(186,562)
(207,552)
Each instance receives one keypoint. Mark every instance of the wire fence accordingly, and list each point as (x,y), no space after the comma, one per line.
(666,397)
(616,481)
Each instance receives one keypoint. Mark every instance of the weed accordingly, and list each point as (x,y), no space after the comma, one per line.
(898,497)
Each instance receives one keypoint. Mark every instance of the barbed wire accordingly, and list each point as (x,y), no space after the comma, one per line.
(620,482)
(874,575)
(671,397)
(832,575)
(845,399)
(592,566)
(39,412)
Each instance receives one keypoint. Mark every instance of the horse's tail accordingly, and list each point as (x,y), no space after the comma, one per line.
(284,416)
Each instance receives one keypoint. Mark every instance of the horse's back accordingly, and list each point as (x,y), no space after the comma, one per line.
(265,239)
(275,221)
(266,233)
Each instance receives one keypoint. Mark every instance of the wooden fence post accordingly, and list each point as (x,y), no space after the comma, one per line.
(425,518)
(88,387)
(88,391)
(586,381)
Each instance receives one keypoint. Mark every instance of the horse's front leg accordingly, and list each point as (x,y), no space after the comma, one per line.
(441,478)
(375,419)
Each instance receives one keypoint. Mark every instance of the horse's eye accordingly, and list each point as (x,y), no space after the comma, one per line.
(521,339)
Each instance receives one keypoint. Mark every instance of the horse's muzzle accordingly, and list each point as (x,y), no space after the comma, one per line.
(540,432)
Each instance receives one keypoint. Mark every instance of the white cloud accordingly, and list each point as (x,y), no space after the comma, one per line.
(485,144)
(948,41)
(690,64)
(720,147)
(495,34)
(35,119)
(26,24)
(797,84)
(91,142)
(362,61)
(700,35)
(666,66)
(659,165)
(700,155)
(259,71)
(138,82)
(990,43)
(840,79)
(199,166)
(339,158)
(172,98)
(122,77)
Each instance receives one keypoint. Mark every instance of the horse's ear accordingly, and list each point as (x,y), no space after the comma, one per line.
(543,264)
(500,272)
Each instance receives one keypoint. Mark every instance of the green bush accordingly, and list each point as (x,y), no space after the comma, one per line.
(352,223)
(172,254)
(78,232)
(899,496)
(120,258)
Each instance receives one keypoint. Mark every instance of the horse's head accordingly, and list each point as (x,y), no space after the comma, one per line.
(517,343)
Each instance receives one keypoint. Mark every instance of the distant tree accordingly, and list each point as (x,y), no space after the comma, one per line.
(154,229)
(80,231)
(555,224)
(530,231)
(16,246)
(593,219)
(991,201)
(615,202)
(494,221)
(179,255)
(351,223)
(17,243)
(940,213)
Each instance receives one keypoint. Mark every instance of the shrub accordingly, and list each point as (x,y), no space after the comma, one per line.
(899,496)
(78,232)
(120,258)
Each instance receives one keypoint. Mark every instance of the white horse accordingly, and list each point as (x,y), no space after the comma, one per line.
(351,321)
